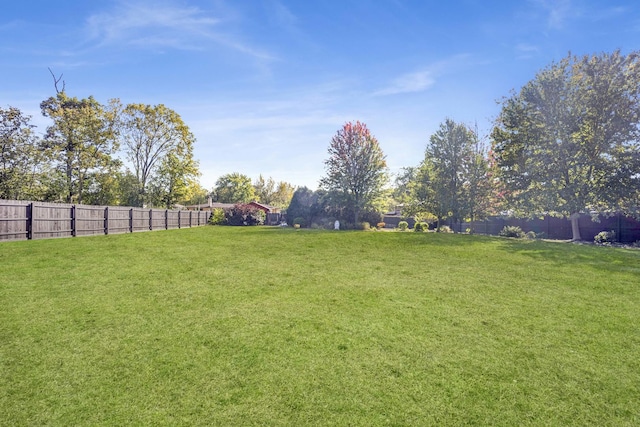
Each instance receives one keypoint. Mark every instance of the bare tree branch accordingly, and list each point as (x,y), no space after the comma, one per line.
(57,80)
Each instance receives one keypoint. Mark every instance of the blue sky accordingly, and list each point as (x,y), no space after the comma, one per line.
(265,84)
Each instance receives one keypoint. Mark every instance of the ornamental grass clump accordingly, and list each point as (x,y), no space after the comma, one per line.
(512,231)
(605,237)
(420,227)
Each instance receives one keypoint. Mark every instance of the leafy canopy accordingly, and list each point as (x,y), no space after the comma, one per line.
(356,169)
(568,142)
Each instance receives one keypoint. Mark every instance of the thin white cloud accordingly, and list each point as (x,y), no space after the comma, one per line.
(281,15)
(162,25)
(131,21)
(407,83)
(610,13)
(419,81)
(557,12)
(525,50)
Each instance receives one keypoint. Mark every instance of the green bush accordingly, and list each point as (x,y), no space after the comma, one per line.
(605,237)
(244,214)
(217,217)
(444,229)
(421,226)
(512,231)
(403,225)
(372,217)
(531,235)
(364,226)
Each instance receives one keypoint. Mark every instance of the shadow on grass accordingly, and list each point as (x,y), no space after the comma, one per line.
(560,253)
(565,253)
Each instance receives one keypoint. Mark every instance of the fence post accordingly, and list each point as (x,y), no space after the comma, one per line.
(151,219)
(166,219)
(178,219)
(190,219)
(30,221)
(106,220)
(73,220)
(131,220)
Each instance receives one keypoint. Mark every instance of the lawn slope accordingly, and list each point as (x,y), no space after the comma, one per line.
(265,326)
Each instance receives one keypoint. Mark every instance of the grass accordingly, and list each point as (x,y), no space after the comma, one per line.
(262,326)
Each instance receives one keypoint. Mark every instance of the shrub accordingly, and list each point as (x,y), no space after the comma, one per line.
(244,214)
(421,226)
(605,237)
(217,217)
(531,235)
(512,231)
(444,229)
(403,225)
(300,221)
(372,217)
(380,225)
(364,226)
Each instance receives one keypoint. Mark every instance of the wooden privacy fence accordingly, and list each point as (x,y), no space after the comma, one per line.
(20,220)
(627,229)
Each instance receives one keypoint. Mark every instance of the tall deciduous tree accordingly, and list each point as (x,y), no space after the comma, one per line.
(81,140)
(269,192)
(356,168)
(568,142)
(176,181)
(234,188)
(450,176)
(264,189)
(479,187)
(150,134)
(20,156)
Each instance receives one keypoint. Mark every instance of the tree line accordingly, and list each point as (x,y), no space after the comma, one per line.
(113,154)
(76,160)
(566,143)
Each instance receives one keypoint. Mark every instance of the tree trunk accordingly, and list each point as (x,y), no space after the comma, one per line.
(575,227)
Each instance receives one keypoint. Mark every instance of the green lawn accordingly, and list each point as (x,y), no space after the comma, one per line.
(264,326)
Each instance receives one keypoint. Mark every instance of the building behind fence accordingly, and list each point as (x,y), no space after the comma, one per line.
(20,220)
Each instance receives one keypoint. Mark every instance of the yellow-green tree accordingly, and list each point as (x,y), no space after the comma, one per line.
(159,146)
(569,140)
(234,188)
(21,157)
(81,141)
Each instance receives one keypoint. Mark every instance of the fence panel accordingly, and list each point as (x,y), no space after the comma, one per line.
(14,220)
(158,219)
(172,219)
(118,219)
(139,219)
(627,229)
(202,217)
(89,220)
(50,220)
